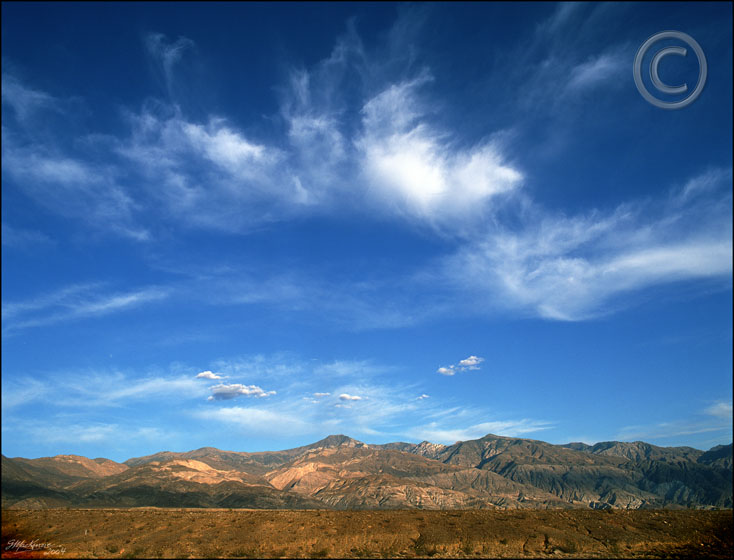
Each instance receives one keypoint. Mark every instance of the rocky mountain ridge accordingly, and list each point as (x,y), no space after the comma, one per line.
(339,472)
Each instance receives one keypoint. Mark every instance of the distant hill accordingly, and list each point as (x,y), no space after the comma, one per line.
(339,472)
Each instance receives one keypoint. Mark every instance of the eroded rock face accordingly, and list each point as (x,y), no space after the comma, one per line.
(343,473)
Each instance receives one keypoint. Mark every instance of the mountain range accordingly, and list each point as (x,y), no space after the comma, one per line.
(339,472)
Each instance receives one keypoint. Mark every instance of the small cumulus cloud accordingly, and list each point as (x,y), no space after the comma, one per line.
(467,364)
(319,395)
(423,396)
(348,397)
(472,362)
(208,375)
(226,392)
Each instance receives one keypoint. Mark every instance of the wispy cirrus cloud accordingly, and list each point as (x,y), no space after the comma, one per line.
(722,410)
(76,301)
(715,418)
(437,433)
(257,420)
(208,175)
(72,187)
(14,237)
(574,268)
(24,100)
(92,389)
(606,67)
(166,54)
(83,433)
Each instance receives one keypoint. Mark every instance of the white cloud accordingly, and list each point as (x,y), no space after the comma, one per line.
(413,168)
(73,302)
(208,375)
(225,147)
(74,433)
(348,368)
(24,100)
(722,410)
(319,395)
(665,430)
(21,392)
(83,389)
(467,364)
(562,14)
(356,306)
(281,366)
(209,176)
(21,238)
(472,362)
(573,268)
(157,387)
(606,67)
(423,396)
(509,428)
(258,420)
(73,188)
(716,417)
(167,54)
(226,392)
(97,432)
(348,397)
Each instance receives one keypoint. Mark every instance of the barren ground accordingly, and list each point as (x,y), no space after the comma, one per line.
(186,533)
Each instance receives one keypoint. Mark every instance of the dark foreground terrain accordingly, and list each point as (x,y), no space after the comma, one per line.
(186,533)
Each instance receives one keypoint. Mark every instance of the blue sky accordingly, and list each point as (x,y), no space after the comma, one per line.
(250,226)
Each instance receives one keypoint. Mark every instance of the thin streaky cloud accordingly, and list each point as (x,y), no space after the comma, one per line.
(24,100)
(509,428)
(20,238)
(74,302)
(574,268)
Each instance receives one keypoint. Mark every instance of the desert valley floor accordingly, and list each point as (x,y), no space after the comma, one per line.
(231,533)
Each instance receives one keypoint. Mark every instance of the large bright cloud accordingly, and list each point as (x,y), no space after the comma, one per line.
(414,168)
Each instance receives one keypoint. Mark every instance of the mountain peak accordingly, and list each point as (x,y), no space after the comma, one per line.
(337,440)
